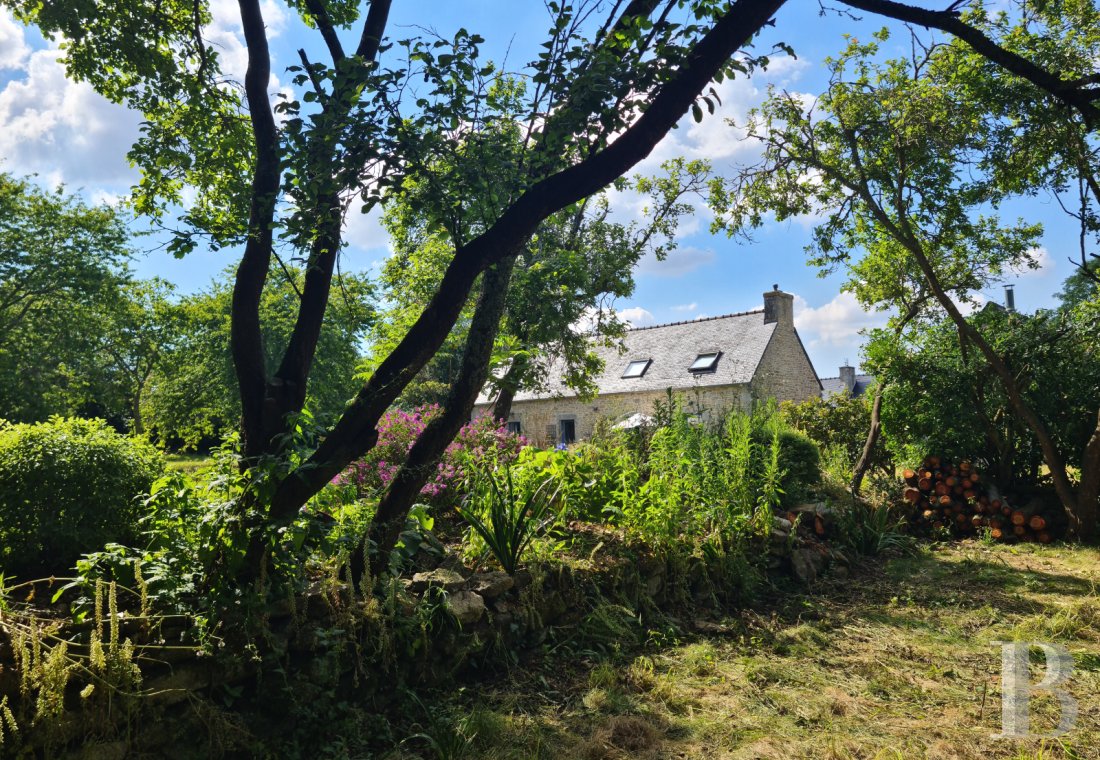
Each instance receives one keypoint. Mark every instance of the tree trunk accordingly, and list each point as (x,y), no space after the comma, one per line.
(1088,492)
(139,425)
(872,439)
(420,465)
(509,386)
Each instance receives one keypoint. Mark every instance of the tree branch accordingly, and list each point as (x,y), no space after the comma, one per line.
(320,16)
(1069,92)
(373,29)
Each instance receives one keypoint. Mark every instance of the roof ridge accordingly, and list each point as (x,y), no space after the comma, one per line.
(696,321)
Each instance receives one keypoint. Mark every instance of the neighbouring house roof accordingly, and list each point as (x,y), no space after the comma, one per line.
(741,338)
(830,386)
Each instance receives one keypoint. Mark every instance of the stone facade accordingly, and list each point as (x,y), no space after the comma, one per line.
(761,357)
(540,419)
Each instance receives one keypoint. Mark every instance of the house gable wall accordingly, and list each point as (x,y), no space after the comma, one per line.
(785,372)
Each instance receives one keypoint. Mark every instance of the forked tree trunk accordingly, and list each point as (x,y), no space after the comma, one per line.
(420,464)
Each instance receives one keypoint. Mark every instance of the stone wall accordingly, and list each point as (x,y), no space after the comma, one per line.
(539,419)
(785,372)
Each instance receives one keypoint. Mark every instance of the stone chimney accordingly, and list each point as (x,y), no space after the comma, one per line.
(778,307)
(848,377)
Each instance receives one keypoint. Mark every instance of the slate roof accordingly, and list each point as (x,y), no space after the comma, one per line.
(741,338)
(830,386)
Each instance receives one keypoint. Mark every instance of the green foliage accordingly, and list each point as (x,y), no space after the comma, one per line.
(893,146)
(872,530)
(799,459)
(68,486)
(508,515)
(62,273)
(839,423)
(941,398)
(193,397)
(690,480)
(577,251)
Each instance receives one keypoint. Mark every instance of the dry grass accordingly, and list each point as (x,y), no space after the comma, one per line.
(898,661)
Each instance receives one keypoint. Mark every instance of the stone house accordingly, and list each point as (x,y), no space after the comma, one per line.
(848,381)
(714,364)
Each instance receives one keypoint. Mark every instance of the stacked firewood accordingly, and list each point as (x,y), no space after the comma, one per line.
(943,495)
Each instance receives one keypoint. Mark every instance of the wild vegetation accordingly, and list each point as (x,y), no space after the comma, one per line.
(349,542)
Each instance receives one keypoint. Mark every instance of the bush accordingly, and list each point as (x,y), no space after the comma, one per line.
(800,459)
(68,486)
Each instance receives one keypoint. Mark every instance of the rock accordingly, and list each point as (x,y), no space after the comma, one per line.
(466,606)
(523,579)
(816,508)
(779,543)
(706,626)
(491,585)
(781,525)
(448,580)
(807,563)
(453,563)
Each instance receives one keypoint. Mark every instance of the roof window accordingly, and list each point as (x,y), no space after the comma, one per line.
(705,362)
(637,368)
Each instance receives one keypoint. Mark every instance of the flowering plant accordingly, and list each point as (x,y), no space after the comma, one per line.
(480,444)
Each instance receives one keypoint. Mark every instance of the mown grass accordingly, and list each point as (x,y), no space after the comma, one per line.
(188,464)
(897,661)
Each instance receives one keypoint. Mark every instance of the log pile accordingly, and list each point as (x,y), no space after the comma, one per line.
(944,496)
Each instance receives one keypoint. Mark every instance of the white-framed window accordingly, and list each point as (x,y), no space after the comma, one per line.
(705,362)
(637,367)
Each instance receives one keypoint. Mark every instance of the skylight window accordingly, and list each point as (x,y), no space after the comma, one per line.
(637,368)
(705,362)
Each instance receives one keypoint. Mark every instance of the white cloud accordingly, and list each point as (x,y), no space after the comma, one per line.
(226,35)
(365,231)
(713,139)
(636,316)
(686,307)
(836,323)
(63,130)
(679,262)
(13,48)
(976,303)
(1044,264)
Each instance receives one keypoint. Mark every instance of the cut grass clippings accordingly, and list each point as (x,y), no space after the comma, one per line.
(897,661)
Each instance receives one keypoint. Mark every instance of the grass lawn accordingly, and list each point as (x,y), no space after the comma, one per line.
(187,463)
(897,661)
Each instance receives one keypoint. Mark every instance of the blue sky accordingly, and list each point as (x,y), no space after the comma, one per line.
(64,132)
